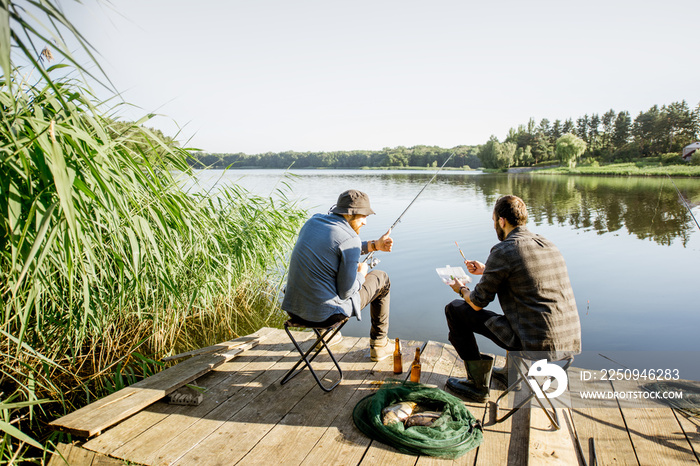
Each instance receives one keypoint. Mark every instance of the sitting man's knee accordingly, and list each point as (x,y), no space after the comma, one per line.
(451,308)
(382,277)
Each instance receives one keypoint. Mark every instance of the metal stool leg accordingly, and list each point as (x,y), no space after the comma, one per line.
(316,348)
(553,417)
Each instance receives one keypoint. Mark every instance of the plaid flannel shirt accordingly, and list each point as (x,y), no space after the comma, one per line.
(528,274)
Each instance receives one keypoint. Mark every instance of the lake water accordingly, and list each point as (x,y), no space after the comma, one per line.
(631,247)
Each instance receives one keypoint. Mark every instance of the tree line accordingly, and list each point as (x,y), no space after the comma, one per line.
(610,137)
(416,156)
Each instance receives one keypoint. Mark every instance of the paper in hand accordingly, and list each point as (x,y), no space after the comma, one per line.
(448,273)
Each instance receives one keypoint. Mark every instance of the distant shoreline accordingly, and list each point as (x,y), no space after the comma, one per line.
(618,169)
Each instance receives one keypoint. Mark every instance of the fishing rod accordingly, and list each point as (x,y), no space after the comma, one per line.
(370,257)
(684,202)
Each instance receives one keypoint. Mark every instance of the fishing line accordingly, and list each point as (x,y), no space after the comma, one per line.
(373,262)
(684,202)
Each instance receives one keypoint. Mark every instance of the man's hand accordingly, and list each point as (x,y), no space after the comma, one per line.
(456,285)
(362,268)
(475,267)
(385,243)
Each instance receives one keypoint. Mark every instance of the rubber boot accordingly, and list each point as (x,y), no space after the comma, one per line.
(502,374)
(476,388)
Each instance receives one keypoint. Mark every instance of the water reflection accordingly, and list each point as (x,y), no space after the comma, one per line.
(646,208)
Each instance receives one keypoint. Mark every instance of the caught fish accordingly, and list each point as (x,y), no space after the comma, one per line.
(422,419)
(397,412)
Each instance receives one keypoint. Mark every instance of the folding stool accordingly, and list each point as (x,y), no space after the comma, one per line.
(520,362)
(322,330)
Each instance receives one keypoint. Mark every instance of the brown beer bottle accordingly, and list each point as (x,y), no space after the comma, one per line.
(415,367)
(398,364)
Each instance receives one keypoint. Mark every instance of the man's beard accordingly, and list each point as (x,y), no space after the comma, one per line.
(499,232)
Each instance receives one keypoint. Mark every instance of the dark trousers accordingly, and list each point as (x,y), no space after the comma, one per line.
(375,292)
(463,322)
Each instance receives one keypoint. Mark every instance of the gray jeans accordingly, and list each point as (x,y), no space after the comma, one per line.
(375,292)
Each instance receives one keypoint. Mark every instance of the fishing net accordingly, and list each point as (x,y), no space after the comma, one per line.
(453,434)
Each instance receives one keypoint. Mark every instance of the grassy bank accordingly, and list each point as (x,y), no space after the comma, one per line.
(107,264)
(629,169)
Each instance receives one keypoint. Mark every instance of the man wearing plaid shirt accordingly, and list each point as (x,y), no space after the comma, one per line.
(528,274)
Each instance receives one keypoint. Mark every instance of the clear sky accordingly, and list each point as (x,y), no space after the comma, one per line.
(272,75)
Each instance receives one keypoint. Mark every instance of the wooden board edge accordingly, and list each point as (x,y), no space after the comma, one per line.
(218,348)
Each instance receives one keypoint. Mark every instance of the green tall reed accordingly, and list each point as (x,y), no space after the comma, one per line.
(103,253)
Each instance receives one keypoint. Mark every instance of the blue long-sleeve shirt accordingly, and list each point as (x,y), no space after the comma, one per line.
(323,278)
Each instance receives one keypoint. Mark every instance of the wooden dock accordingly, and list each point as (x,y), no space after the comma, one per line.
(247,417)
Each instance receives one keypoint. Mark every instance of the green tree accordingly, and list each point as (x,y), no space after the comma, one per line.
(568,126)
(644,130)
(523,156)
(542,149)
(608,123)
(556,131)
(582,127)
(570,148)
(681,125)
(621,130)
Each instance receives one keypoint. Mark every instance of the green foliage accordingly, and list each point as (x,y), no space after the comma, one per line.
(695,158)
(102,254)
(640,168)
(628,152)
(498,155)
(569,149)
(98,237)
(398,157)
(613,136)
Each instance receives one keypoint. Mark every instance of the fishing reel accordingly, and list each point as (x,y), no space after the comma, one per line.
(371,261)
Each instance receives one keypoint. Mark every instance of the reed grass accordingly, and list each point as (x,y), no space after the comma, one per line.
(107,263)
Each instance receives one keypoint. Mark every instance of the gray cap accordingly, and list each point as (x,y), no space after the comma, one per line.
(352,202)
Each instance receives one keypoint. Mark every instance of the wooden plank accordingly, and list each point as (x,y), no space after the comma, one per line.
(240,432)
(549,446)
(658,437)
(73,455)
(342,442)
(142,436)
(218,348)
(101,460)
(599,423)
(691,429)
(260,375)
(231,372)
(94,418)
(298,431)
(504,442)
(60,455)
(656,434)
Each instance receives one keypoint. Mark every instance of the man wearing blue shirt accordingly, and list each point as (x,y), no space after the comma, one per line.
(327,282)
